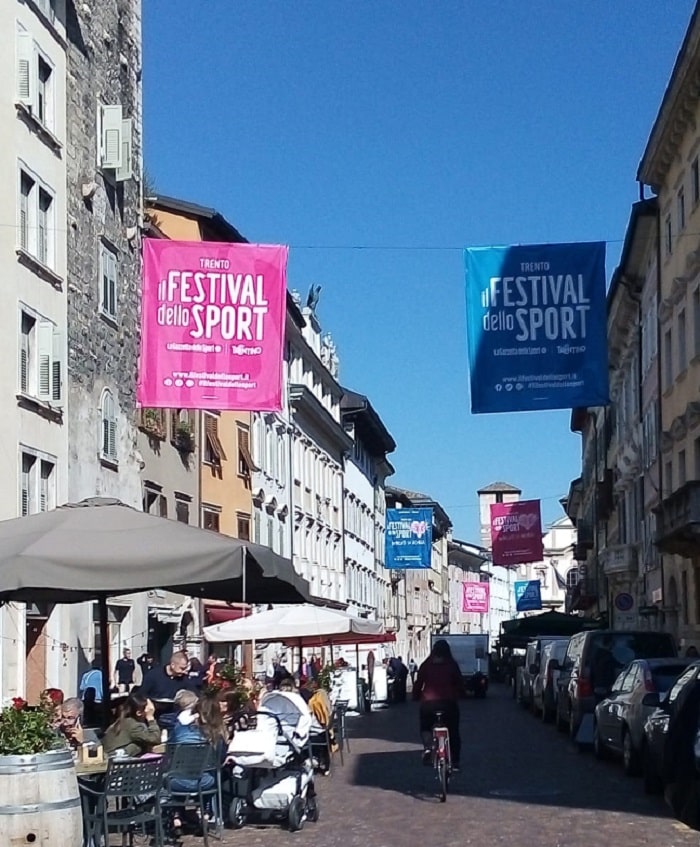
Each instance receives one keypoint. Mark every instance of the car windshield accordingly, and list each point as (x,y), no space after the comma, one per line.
(610,652)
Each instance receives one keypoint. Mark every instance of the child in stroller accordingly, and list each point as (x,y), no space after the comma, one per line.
(272,774)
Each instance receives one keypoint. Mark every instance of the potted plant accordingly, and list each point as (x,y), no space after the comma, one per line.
(152,422)
(25,731)
(183,437)
(38,765)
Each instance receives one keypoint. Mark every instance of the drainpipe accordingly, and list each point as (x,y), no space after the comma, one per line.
(659,420)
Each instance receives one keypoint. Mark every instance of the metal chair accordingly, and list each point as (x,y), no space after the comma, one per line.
(191,763)
(321,742)
(129,798)
(339,727)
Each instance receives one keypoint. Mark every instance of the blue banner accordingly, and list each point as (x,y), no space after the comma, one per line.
(409,538)
(537,327)
(528,596)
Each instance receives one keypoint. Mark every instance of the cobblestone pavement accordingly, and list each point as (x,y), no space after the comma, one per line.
(521,784)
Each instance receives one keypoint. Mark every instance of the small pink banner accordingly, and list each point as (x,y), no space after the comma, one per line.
(516,533)
(212,325)
(475,597)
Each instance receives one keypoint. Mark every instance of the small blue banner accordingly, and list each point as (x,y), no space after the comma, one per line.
(528,597)
(409,538)
(537,327)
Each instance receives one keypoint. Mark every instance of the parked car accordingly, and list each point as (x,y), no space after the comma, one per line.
(544,688)
(593,661)
(620,717)
(531,667)
(657,724)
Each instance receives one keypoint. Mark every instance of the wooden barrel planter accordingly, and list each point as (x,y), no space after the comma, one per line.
(39,801)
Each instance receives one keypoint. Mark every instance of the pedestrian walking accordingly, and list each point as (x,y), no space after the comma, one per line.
(413,670)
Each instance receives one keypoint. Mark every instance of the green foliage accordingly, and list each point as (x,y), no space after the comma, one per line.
(25,731)
(229,677)
(325,676)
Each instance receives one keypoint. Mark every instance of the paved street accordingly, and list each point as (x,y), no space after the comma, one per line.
(522,783)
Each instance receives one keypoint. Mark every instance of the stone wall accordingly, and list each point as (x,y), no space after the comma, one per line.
(104,66)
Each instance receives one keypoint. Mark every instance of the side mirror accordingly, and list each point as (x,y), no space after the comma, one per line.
(554,665)
(534,669)
(651,699)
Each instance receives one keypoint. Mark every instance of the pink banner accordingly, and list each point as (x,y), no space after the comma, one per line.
(516,533)
(212,325)
(475,597)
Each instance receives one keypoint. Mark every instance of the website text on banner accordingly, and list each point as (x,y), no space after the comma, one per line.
(537,327)
(516,533)
(409,538)
(212,325)
(528,596)
(475,597)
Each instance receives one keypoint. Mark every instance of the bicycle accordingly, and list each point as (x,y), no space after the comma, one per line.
(442,761)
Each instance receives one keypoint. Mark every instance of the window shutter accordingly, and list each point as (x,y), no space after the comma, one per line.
(57,368)
(24,363)
(112,283)
(45,344)
(111,141)
(112,438)
(25,75)
(125,170)
(25,491)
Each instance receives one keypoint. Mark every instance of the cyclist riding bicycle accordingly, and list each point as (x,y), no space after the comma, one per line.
(438,687)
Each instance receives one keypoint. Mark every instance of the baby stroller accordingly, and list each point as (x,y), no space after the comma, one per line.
(272,775)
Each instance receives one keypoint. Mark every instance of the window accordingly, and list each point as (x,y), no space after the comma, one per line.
(108,282)
(36,217)
(668,359)
(681,209)
(108,426)
(116,615)
(115,141)
(682,351)
(154,501)
(681,468)
(696,458)
(668,235)
(182,509)
(35,80)
(572,578)
(40,358)
(37,482)
(210,518)
(695,181)
(668,477)
(243,526)
(213,451)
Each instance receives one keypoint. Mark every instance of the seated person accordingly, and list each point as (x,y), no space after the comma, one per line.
(135,730)
(71,727)
(321,718)
(237,709)
(206,726)
(185,701)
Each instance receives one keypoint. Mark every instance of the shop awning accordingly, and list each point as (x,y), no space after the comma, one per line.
(221,614)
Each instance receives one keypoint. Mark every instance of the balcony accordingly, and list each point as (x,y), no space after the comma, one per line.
(619,560)
(678,521)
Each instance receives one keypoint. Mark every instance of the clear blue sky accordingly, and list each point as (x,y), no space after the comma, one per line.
(377,140)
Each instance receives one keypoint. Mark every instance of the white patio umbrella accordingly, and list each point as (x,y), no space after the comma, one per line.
(301,624)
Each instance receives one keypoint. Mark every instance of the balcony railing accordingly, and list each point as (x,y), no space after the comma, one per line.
(619,560)
(678,521)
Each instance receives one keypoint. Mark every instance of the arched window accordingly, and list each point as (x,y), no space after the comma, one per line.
(572,577)
(108,414)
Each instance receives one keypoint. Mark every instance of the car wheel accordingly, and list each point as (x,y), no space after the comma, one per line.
(561,723)
(651,780)
(630,757)
(599,749)
(572,726)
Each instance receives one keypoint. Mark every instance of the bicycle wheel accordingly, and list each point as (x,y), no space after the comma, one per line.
(442,778)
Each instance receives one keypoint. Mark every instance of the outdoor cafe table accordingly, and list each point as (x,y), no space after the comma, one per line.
(96,767)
